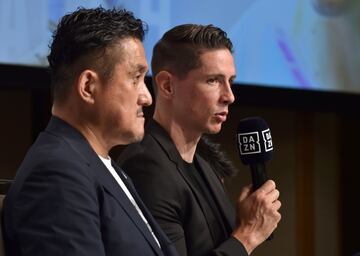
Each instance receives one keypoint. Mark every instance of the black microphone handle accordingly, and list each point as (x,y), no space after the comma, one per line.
(259,177)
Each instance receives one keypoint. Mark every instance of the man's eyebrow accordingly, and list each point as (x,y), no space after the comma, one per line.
(221,76)
(141,68)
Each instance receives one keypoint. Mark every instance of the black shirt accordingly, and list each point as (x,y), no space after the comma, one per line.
(216,224)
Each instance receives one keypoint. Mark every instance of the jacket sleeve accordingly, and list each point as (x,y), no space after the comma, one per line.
(230,247)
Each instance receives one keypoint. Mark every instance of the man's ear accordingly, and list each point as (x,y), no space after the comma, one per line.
(86,86)
(164,84)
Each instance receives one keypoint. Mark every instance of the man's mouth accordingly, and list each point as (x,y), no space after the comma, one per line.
(221,116)
(140,113)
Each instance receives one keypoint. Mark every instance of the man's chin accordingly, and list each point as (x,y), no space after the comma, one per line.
(132,137)
(136,138)
(214,129)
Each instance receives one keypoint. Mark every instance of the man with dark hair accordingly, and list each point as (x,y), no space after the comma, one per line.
(193,69)
(69,198)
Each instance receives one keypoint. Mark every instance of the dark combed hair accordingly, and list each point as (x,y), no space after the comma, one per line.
(83,39)
(217,158)
(179,50)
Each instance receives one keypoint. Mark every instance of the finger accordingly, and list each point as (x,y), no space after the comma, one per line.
(245,192)
(267,187)
(277,217)
(273,196)
(276,205)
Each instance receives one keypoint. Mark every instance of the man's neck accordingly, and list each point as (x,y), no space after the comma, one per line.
(185,141)
(95,140)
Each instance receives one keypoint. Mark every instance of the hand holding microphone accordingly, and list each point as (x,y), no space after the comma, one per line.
(258,205)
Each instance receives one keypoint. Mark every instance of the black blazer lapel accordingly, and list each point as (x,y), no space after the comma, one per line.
(110,184)
(198,195)
(160,235)
(226,208)
(217,188)
(164,140)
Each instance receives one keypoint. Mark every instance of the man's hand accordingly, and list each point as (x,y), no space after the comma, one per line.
(257,214)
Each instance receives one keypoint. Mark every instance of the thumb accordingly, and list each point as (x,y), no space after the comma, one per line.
(245,192)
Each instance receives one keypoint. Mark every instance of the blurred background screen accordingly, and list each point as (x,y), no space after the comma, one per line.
(304,44)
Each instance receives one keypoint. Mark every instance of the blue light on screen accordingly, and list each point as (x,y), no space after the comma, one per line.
(306,44)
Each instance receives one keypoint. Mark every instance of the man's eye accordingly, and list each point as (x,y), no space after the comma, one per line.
(213,81)
(137,78)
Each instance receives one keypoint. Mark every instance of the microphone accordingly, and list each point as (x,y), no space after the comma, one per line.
(255,148)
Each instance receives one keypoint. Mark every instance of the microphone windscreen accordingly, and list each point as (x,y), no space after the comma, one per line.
(254,141)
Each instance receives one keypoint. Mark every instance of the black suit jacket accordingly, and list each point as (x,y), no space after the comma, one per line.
(65,202)
(165,186)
